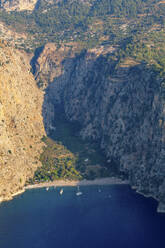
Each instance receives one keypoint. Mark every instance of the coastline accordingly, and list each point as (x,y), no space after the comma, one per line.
(18,192)
(97,181)
(84,182)
(9,198)
(160,207)
(64,183)
(67,183)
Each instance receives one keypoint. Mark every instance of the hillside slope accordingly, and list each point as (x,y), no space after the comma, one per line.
(21,125)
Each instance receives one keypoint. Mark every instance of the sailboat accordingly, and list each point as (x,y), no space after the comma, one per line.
(61,191)
(78,191)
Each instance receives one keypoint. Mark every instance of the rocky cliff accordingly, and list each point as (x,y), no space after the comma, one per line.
(47,63)
(121,105)
(18,5)
(21,125)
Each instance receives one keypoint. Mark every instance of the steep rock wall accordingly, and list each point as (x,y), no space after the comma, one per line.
(122,106)
(21,124)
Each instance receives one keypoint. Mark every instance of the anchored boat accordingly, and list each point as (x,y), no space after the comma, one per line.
(61,191)
(78,191)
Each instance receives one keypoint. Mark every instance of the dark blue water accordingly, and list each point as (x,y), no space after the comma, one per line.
(116,217)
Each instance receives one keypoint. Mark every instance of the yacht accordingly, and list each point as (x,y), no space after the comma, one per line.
(61,191)
(47,188)
(78,191)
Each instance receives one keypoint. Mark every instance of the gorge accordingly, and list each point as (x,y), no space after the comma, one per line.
(111,86)
(121,106)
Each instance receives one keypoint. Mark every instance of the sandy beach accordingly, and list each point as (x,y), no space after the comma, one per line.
(98,181)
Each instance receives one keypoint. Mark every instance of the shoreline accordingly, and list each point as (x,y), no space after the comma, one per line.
(84,182)
(11,197)
(67,183)
(97,181)
(160,206)
(19,192)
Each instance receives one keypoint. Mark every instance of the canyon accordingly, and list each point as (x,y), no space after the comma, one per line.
(119,105)
(104,73)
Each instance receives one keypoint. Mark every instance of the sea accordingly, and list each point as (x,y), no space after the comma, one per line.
(110,216)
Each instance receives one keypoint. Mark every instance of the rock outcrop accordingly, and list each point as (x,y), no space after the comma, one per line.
(21,5)
(47,64)
(21,124)
(18,5)
(122,106)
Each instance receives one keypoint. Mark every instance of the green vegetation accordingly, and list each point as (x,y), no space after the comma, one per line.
(135,27)
(149,48)
(67,156)
(91,22)
(89,159)
(58,162)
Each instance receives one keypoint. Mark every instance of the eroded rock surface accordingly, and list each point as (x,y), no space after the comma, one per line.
(18,5)
(122,106)
(21,124)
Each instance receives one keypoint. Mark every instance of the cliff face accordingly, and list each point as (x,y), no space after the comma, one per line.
(122,106)
(18,5)
(21,125)
(47,64)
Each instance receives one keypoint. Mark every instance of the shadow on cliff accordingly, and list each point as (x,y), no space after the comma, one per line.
(37,5)
(58,124)
(33,61)
(56,100)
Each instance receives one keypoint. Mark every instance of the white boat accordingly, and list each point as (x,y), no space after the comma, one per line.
(78,192)
(47,188)
(61,191)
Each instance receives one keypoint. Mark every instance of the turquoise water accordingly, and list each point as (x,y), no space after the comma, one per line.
(116,217)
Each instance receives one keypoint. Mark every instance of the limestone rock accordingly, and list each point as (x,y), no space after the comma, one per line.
(121,106)
(18,5)
(21,124)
